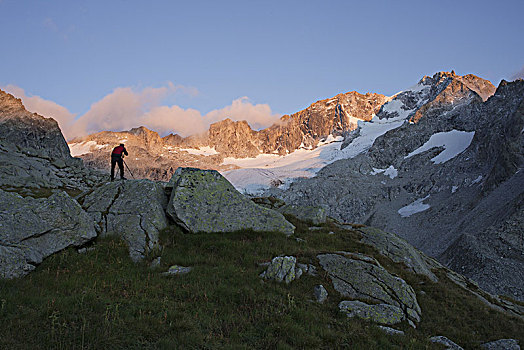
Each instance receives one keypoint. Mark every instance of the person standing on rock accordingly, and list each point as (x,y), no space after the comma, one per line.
(117,157)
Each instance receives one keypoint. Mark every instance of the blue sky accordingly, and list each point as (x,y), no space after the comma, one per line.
(274,57)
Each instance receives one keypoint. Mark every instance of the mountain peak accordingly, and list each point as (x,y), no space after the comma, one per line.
(10,105)
(484,88)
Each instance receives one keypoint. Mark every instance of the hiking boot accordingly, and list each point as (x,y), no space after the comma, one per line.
(123,178)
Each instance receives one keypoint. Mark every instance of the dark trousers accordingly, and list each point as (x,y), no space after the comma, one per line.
(117,160)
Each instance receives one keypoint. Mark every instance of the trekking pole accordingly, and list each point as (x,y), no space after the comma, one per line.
(128,169)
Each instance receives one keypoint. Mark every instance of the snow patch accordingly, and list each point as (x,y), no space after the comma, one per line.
(415,207)
(202,151)
(454,189)
(476,181)
(395,106)
(391,172)
(80,148)
(454,143)
(419,87)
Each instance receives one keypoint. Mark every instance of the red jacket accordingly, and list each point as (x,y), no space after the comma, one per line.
(118,150)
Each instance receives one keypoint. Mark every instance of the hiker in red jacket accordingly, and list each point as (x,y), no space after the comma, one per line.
(117,156)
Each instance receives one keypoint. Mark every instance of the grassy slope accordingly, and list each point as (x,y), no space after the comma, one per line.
(102,300)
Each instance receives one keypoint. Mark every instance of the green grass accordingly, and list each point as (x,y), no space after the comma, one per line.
(102,300)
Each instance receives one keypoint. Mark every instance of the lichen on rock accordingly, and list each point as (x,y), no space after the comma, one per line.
(363,279)
(204,201)
(379,313)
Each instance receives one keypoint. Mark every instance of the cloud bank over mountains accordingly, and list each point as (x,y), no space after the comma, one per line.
(126,108)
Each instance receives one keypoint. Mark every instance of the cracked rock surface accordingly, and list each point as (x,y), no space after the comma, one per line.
(398,250)
(357,277)
(33,229)
(132,209)
(204,201)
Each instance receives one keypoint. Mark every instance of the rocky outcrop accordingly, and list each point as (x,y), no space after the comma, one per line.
(204,201)
(311,214)
(360,277)
(29,132)
(33,229)
(233,139)
(390,331)
(34,153)
(20,171)
(398,250)
(133,210)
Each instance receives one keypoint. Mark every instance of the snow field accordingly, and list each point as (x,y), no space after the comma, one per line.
(413,208)
(454,143)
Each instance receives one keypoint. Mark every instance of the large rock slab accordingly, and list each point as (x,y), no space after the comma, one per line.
(359,277)
(133,210)
(398,250)
(204,201)
(32,229)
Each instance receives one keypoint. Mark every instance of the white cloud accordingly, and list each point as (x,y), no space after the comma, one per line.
(185,122)
(120,110)
(258,116)
(126,108)
(165,120)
